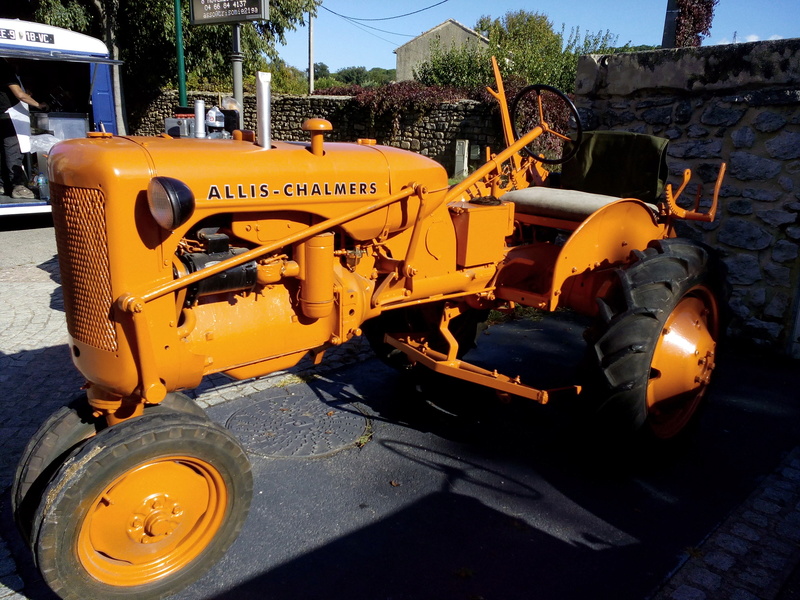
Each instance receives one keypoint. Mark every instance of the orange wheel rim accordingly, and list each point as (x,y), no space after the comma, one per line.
(682,363)
(152,521)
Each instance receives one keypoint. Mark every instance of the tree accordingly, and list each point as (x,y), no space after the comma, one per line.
(142,34)
(321,70)
(693,21)
(465,66)
(526,47)
(352,75)
(380,76)
(526,42)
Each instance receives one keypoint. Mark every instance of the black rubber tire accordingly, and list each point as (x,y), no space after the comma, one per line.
(65,429)
(618,367)
(80,489)
(178,402)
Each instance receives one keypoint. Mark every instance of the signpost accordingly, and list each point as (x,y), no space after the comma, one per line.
(213,12)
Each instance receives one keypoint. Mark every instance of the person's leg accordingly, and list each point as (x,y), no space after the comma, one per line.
(13,158)
(5,167)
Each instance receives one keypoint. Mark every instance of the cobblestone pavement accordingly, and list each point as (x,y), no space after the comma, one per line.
(753,554)
(750,556)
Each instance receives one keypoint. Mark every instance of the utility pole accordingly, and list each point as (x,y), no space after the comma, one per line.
(310,54)
(236,62)
(179,46)
(668,40)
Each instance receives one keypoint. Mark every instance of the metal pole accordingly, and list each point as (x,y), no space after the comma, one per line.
(668,40)
(236,61)
(310,54)
(264,109)
(179,46)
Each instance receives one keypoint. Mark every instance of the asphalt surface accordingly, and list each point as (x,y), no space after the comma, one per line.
(367,486)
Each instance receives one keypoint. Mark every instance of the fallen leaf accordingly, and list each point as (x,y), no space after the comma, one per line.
(394,483)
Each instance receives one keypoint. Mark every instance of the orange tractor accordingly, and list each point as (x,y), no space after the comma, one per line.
(184,257)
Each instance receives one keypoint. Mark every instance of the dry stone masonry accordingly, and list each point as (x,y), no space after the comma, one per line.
(739,104)
(433,133)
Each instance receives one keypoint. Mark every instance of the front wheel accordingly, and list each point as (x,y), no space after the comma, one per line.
(62,432)
(142,509)
(653,353)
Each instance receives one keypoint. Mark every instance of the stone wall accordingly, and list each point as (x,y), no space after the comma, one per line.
(739,104)
(432,134)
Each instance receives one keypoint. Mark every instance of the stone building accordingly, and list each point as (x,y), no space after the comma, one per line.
(447,34)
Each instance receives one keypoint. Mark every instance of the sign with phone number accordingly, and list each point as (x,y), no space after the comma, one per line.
(209,12)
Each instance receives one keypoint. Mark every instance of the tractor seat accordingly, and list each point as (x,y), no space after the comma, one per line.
(554,203)
(609,165)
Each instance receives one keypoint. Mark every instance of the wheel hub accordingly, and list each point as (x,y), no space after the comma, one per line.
(155,519)
(683,361)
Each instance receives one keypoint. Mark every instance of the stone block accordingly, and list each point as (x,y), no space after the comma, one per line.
(749,167)
(740,233)
(784,251)
(785,146)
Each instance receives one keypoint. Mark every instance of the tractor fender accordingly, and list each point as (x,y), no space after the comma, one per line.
(605,239)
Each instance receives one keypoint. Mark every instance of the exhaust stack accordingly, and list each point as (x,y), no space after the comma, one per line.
(199,119)
(264,109)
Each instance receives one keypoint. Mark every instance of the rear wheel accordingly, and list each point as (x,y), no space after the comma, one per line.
(653,352)
(142,509)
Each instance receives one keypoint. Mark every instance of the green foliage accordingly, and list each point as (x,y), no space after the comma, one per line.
(144,33)
(466,66)
(379,76)
(285,79)
(321,71)
(526,46)
(325,83)
(352,75)
(575,46)
(70,14)
(525,43)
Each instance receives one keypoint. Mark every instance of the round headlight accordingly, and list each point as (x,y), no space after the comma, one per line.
(171,201)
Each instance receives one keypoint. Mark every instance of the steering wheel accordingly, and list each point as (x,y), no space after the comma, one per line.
(550,108)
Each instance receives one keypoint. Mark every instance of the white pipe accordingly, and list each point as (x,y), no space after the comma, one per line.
(199,119)
(263,109)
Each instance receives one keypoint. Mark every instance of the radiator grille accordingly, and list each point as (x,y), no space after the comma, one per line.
(80,224)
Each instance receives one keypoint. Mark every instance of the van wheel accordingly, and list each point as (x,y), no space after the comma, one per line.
(653,352)
(142,509)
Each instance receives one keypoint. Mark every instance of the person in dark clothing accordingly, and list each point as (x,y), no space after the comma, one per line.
(11,94)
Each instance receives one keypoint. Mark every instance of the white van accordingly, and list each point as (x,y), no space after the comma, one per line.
(69,71)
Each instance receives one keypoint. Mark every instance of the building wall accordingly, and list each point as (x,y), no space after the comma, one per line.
(418,50)
(739,104)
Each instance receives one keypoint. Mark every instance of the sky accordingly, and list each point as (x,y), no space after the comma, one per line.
(341,43)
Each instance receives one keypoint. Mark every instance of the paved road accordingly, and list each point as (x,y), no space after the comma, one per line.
(500,502)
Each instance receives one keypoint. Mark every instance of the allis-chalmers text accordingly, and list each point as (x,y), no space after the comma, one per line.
(250,191)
